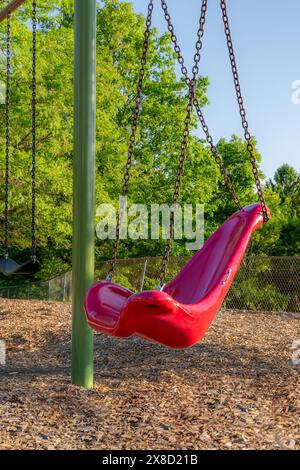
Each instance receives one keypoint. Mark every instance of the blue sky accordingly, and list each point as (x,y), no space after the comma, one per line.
(266,35)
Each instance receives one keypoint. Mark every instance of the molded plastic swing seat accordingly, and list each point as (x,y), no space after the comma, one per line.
(181,314)
(9,267)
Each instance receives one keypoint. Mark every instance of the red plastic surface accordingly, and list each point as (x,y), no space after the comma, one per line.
(181,314)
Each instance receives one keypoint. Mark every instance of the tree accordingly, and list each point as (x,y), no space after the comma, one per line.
(54,140)
(237,164)
(287,184)
(119,45)
(286,187)
(120,36)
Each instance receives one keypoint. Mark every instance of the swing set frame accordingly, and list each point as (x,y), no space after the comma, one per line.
(83,180)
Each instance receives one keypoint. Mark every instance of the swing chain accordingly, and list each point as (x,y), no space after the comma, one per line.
(178,181)
(132,138)
(185,137)
(7,147)
(187,80)
(240,100)
(218,159)
(33,168)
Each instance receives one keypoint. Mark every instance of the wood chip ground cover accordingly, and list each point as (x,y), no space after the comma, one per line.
(237,389)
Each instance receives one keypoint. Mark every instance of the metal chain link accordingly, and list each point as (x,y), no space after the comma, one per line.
(209,138)
(7,147)
(240,100)
(132,138)
(33,168)
(217,157)
(178,181)
(185,137)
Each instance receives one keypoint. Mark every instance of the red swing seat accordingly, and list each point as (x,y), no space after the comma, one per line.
(180,315)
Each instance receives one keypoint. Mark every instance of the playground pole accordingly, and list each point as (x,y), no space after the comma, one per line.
(84,186)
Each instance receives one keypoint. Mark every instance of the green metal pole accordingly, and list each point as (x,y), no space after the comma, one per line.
(84,187)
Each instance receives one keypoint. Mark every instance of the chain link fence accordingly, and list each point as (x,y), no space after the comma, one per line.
(270,284)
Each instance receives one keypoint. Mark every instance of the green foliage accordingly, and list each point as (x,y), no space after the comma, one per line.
(280,237)
(54,139)
(119,44)
(253,297)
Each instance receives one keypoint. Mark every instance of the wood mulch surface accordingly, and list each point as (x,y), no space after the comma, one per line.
(237,389)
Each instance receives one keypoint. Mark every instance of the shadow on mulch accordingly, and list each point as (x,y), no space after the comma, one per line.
(136,358)
(236,389)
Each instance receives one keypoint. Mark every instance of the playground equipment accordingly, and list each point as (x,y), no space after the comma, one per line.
(178,314)
(175,304)
(84,178)
(8,266)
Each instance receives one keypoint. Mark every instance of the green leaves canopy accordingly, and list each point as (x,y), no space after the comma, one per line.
(119,43)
